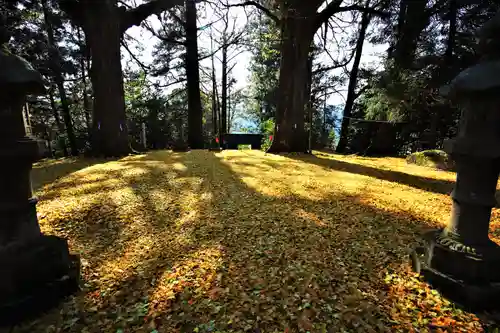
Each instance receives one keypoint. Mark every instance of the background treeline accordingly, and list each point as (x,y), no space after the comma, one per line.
(301,54)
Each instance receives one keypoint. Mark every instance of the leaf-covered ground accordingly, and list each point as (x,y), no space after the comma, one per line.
(241,241)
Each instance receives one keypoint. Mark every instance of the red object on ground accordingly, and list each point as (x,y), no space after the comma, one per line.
(217,140)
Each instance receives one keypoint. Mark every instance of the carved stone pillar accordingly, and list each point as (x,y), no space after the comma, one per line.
(36,270)
(461,260)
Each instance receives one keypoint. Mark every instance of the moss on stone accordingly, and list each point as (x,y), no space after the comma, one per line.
(432,158)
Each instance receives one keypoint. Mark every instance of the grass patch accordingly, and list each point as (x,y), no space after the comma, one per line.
(244,147)
(248,242)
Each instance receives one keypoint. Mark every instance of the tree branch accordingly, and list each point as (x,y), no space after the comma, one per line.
(329,68)
(231,68)
(135,16)
(330,10)
(172,83)
(361,91)
(336,63)
(258,6)
(163,38)
(177,18)
(235,55)
(200,58)
(144,67)
(334,8)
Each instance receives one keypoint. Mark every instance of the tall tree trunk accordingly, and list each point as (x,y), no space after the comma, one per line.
(49,143)
(446,74)
(230,114)
(59,79)
(195,114)
(218,113)
(309,103)
(324,135)
(67,117)
(104,24)
(59,125)
(85,56)
(214,101)
(399,27)
(297,33)
(413,18)
(452,31)
(224,88)
(109,127)
(353,80)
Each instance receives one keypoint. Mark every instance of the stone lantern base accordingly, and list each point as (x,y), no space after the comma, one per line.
(468,276)
(35,276)
(36,270)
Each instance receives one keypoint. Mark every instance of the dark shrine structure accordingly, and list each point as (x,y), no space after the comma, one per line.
(232,141)
(37,270)
(461,260)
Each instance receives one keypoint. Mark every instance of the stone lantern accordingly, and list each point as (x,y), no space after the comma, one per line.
(460,259)
(37,270)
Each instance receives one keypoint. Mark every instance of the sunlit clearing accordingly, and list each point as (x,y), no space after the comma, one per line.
(239,240)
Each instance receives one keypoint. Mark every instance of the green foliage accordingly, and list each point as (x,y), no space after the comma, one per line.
(267,129)
(332,139)
(245,130)
(165,116)
(266,143)
(30,40)
(406,90)
(264,67)
(244,147)
(432,158)
(378,106)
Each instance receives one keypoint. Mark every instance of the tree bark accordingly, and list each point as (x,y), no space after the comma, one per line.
(324,134)
(109,127)
(59,125)
(297,33)
(447,74)
(413,18)
(67,117)
(215,126)
(85,56)
(225,46)
(49,143)
(450,47)
(353,80)
(55,60)
(309,103)
(224,89)
(104,24)
(218,113)
(299,22)
(195,114)
(230,114)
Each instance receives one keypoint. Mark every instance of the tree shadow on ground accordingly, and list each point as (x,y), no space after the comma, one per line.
(423,183)
(439,186)
(198,245)
(47,171)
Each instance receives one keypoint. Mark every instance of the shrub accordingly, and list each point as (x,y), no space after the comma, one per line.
(267,129)
(266,143)
(432,158)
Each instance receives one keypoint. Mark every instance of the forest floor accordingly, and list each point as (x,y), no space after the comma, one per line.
(241,241)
